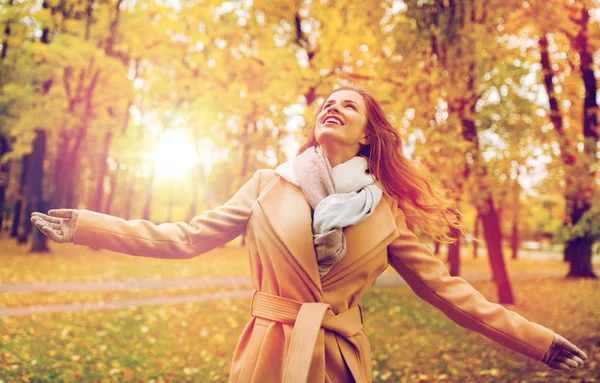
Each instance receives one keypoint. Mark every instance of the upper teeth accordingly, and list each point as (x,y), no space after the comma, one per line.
(333,120)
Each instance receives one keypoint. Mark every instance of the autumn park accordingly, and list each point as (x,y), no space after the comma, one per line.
(161,110)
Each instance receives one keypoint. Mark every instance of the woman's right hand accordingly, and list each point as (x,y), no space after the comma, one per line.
(58,225)
(563,355)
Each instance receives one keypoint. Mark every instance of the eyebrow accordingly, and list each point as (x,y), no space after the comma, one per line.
(330,101)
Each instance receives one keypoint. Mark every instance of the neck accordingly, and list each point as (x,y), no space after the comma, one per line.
(337,155)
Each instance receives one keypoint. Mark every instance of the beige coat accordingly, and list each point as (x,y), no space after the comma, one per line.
(320,319)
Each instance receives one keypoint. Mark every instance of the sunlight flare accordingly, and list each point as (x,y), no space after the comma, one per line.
(175,154)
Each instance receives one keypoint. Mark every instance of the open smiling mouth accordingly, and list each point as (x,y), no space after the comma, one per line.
(332,120)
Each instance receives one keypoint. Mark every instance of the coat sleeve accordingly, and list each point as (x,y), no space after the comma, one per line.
(458,300)
(205,232)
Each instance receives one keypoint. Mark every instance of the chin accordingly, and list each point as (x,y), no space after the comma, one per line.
(324,137)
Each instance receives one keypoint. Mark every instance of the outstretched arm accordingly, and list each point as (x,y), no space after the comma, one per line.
(205,232)
(429,279)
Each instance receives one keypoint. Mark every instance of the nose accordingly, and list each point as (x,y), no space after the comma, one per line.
(333,106)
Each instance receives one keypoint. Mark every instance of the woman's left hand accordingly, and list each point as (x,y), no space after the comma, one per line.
(564,355)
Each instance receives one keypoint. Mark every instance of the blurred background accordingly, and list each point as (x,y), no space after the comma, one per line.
(160,110)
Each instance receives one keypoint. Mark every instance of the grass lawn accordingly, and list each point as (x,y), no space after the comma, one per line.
(411,341)
(194,342)
(69,263)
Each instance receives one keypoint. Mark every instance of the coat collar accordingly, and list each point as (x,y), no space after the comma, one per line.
(290,216)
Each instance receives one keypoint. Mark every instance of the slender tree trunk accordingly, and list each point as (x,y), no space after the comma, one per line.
(194,174)
(113,186)
(454,253)
(60,181)
(146,210)
(97,195)
(129,197)
(487,211)
(454,250)
(476,237)
(514,237)
(16,219)
(4,177)
(436,248)
(21,228)
(71,170)
(207,196)
(514,240)
(35,200)
(493,237)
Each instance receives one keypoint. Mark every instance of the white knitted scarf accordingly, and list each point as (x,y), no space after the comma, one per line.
(341,196)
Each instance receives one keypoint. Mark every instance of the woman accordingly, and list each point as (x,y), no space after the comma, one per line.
(320,229)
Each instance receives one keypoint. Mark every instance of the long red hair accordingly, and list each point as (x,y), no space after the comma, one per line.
(411,187)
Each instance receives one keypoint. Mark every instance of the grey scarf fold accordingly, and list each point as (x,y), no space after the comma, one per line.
(332,211)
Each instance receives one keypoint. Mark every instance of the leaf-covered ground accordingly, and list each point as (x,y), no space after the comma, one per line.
(68,263)
(411,341)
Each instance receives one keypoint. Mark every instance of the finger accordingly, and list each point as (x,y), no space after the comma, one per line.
(60,213)
(578,360)
(55,226)
(52,234)
(36,223)
(568,361)
(45,217)
(574,350)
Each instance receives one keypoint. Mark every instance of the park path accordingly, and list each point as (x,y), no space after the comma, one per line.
(387,279)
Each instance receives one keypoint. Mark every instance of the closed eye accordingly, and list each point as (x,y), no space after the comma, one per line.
(348,103)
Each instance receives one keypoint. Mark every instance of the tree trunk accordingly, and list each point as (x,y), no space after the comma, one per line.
(14,230)
(35,199)
(195,174)
(476,237)
(4,177)
(129,197)
(60,186)
(97,195)
(581,250)
(193,208)
(514,239)
(22,228)
(146,210)
(436,248)
(71,170)
(579,180)
(514,236)
(493,237)
(486,210)
(111,195)
(454,248)
(454,253)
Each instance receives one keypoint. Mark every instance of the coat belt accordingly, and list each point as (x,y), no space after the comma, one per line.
(307,318)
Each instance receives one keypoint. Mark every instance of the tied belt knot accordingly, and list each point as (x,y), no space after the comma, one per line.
(308,319)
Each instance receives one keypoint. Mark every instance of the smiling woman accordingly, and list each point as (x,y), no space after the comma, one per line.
(175,154)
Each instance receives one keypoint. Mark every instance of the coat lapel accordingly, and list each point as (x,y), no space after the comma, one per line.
(290,216)
(289,213)
(375,232)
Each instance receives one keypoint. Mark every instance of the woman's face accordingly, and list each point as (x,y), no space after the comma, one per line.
(342,120)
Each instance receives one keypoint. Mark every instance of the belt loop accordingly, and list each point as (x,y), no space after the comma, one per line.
(252,302)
